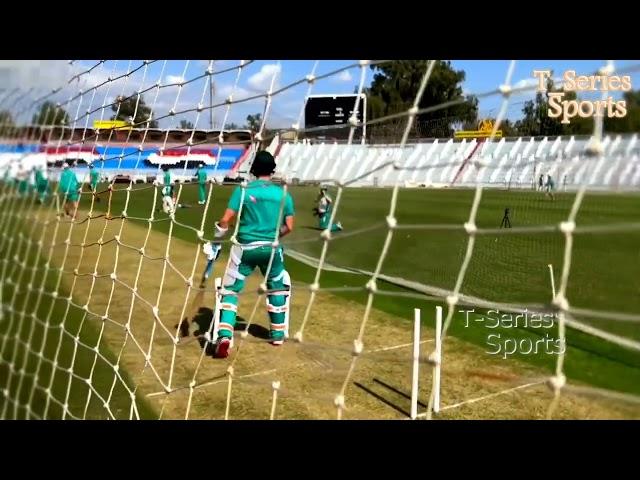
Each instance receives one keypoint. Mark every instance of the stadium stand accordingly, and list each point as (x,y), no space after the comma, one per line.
(122,158)
(510,163)
(507,163)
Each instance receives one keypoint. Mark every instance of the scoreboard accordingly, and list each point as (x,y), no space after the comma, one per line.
(330,110)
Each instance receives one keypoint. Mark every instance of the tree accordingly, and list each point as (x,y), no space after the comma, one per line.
(133,111)
(254,122)
(185,125)
(508,128)
(630,122)
(232,126)
(50,114)
(6,119)
(536,120)
(395,86)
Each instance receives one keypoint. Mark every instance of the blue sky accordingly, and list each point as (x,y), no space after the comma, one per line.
(255,78)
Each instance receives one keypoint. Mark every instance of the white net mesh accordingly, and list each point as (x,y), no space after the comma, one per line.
(99,297)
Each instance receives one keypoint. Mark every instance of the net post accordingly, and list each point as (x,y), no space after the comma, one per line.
(275,385)
(286,315)
(415,365)
(216,310)
(553,282)
(438,360)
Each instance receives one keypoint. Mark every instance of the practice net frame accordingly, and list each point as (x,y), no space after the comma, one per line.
(27,257)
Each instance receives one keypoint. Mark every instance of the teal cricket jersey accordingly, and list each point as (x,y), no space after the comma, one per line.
(260,209)
(69,185)
(41,182)
(167,190)
(94,176)
(202,176)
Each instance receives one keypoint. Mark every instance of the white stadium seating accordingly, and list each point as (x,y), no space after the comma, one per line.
(512,163)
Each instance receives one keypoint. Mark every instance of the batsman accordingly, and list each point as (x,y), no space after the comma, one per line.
(259,204)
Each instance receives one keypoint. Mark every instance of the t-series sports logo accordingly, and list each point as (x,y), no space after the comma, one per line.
(585,108)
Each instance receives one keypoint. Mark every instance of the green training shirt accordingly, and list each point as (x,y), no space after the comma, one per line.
(260,209)
(68,182)
(94,175)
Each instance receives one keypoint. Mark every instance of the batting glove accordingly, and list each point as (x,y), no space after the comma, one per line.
(220,232)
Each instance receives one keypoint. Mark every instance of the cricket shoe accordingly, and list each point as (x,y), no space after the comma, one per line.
(277,342)
(223,346)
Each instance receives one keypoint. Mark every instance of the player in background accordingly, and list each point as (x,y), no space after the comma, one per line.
(69,188)
(94,178)
(23,180)
(323,210)
(42,184)
(168,196)
(540,182)
(168,186)
(202,182)
(260,205)
(549,186)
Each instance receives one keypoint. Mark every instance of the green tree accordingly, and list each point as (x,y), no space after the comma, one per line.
(6,119)
(232,126)
(185,125)
(50,114)
(395,86)
(630,122)
(508,128)
(536,120)
(133,111)
(254,121)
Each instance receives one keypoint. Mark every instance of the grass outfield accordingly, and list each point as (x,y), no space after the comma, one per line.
(65,348)
(505,268)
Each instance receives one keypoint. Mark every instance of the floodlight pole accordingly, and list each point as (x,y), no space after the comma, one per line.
(211,95)
(364,118)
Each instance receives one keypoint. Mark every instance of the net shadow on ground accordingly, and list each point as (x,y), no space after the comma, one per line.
(311,373)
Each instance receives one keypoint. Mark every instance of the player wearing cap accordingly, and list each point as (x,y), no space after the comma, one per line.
(258,206)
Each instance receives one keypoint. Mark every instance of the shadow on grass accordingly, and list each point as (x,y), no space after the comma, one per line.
(204,321)
(381,398)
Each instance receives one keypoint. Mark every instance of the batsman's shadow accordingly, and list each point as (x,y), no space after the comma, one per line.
(204,320)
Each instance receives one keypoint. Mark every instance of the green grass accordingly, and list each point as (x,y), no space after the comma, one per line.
(504,268)
(77,324)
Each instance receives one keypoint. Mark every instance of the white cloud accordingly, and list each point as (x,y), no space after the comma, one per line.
(343,77)
(217,64)
(238,93)
(169,79)
(34,73)
(262,79)
(525,83)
